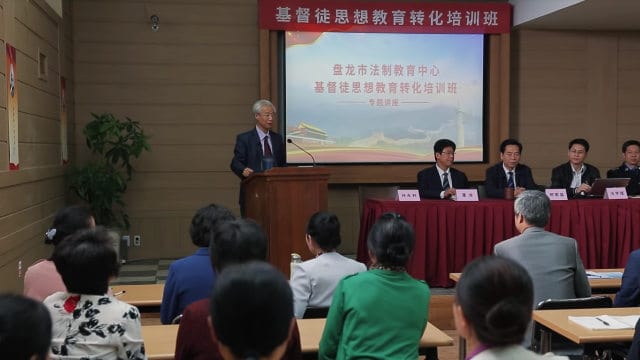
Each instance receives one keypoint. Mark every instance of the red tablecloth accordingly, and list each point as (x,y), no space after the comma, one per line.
(450,234)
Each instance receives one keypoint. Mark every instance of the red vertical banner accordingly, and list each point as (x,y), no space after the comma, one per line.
(64,149)
(12,107)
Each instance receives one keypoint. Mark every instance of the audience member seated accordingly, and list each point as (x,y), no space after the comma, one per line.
(380,313)
(41,279)
(314,281)
(234,242)
(191,278)
(251,312)
(552,260)
(575,176)
(441,180)
(492,309)
(509,173)
(87,322)
(629,167)
(25,328)
(629,294)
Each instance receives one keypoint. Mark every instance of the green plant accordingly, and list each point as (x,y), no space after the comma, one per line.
(102,182)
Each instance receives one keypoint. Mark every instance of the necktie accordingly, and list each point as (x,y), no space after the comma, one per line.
(267,148)
(445,181)
(510,182)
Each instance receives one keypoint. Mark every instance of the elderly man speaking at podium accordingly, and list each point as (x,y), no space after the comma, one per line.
(258,149)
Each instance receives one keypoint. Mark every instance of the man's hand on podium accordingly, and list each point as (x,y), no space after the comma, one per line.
(246,172)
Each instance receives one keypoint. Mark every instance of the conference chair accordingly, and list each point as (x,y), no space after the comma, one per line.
(544,340)
(315,313)
(176,320)
(482,192)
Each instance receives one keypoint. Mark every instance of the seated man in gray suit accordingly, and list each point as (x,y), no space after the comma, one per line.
(552,260)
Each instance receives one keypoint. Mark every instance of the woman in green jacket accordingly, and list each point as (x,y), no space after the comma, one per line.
(380,313)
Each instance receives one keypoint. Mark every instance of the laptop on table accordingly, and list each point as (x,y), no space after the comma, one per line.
(599,186)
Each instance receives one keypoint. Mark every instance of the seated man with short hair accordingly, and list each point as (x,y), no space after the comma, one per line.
(629,168)
(441,180)
(552,260)
(509,173)
(575,175)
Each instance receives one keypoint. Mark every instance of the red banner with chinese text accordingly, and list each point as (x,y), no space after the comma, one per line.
(389,17)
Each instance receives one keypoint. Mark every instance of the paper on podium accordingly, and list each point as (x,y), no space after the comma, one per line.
(606,322)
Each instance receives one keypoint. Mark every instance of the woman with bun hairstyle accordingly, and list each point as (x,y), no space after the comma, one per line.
(492,309)
(314,281)
(41,278)
(380,313)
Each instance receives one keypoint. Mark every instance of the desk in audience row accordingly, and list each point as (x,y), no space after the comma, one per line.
(558,322)
(450,234)
(147,297)
(160,340)
(598,285)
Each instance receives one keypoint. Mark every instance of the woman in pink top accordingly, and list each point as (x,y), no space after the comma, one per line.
(42,278)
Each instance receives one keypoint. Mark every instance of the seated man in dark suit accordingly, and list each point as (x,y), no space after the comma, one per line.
(441,180)
(629,294)
(258,149)
(629,167)
(575,176)
(509,173)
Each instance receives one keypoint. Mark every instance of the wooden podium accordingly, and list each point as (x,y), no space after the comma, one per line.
(281,200)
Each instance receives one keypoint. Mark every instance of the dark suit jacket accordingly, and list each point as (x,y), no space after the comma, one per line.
(495,180)
(248,153)
(633,188)
(430,182)
(629,294)
(562,176)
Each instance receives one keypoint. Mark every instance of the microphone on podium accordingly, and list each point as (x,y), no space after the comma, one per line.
(305,151)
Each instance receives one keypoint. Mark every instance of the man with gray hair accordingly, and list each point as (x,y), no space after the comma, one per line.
(552,260)
(258,149)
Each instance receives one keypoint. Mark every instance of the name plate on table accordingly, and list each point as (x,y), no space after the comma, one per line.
(556,194)
(467,195)
(408,195)
(615,193)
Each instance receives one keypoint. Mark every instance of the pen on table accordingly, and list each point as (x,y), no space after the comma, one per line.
(123,291)
(602,321)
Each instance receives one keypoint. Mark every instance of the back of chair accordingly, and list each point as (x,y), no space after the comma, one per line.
(482,192)
(176,320)
(601,301)
(315,313)
(541,341)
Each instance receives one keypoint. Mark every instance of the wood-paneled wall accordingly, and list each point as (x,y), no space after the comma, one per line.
(191,85)
(568,84)
(31,195)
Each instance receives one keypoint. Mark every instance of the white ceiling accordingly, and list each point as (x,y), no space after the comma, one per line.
(601,15)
